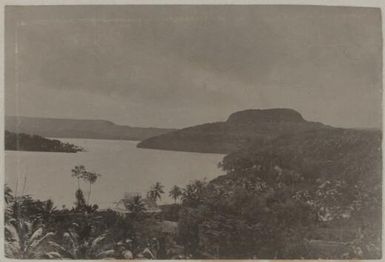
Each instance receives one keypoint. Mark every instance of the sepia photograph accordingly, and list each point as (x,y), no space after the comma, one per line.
(192,131)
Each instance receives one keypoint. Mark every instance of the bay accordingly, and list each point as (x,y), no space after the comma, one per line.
(123,167)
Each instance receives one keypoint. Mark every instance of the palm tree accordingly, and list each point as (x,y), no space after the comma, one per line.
(77,172)
(175,193)
(91,178)
(155,192)
(135,205)
(193,193)
(80,201)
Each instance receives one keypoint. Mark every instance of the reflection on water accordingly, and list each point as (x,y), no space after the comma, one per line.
(124,168)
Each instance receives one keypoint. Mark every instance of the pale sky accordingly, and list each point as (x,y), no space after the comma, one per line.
(177,66)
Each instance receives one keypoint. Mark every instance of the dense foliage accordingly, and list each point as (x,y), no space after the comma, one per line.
(37,229)
(25,142)
(313,195)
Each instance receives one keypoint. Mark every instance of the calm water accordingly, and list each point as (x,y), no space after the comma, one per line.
(124,168)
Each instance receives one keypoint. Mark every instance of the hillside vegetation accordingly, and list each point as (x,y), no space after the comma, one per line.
(311,195)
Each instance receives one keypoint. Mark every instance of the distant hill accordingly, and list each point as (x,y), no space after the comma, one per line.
(25,142)
(73,128)
(240,129)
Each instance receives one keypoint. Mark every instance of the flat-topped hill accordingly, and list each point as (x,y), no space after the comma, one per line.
(240,129)
(253,116)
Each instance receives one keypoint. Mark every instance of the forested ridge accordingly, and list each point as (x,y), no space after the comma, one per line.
(25,142)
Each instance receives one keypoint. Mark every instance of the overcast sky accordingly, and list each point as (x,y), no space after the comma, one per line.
(176,66)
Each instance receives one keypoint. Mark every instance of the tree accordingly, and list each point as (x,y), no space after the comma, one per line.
(192,194)
(155,192)
(80,172)
(48,211)
(135,205)
(77,172)
(175,193)
(91,178)
(80,201)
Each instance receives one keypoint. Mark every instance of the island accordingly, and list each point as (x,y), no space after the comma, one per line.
(26,142)
(241,129)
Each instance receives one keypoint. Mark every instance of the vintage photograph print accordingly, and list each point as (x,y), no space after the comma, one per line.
(193,132)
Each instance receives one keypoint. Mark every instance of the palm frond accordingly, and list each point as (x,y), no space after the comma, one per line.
(68,237)
(38,242)
(63,251)
(12,249)
(106,253)
(97,240)
(37,234)
(54,255)
(12,232)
